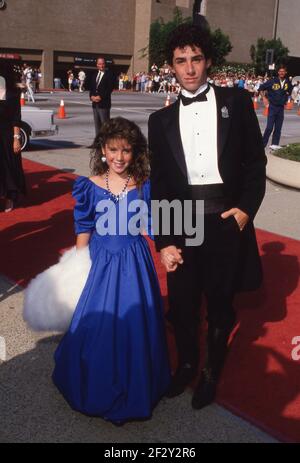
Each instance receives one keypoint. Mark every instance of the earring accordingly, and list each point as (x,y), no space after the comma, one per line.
(103,159)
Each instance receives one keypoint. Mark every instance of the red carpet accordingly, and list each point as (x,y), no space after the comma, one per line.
(261,381)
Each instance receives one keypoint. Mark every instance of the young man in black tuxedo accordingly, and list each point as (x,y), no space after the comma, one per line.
(206,146)
(101,87)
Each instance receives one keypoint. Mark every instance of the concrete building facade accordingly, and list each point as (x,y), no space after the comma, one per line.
(246,21)
(57,36)
(60,35)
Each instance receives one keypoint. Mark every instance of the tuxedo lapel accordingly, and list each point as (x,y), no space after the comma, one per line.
(170,121)
(224,103)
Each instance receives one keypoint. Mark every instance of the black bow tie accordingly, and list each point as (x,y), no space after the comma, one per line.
(200,97)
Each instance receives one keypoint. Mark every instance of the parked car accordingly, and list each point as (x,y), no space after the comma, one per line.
(36,123)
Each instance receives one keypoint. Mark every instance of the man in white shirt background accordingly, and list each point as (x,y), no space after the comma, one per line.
(81,78)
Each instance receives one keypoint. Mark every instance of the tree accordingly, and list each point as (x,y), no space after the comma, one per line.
(258,53)
(159,31)
(221,46)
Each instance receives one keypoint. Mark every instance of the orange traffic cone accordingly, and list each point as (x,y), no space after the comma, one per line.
(255,103)
(289,104)
(298,112)
(61,111)
(22,99)
(168,101)
(266,111)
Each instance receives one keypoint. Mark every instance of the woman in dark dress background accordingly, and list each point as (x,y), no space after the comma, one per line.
(12,180)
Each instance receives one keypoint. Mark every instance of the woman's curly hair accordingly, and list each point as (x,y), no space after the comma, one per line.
(121,128)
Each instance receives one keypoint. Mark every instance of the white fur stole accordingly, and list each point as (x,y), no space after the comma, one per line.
(51,297)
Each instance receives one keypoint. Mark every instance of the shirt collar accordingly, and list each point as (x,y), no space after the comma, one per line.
(188,94)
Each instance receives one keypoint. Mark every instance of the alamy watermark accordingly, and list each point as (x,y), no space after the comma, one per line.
(157,218)
(296,350)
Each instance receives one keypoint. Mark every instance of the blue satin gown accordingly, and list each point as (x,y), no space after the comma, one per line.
(113,360)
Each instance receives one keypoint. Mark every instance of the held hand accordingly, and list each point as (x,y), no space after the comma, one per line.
(95,99)
(17,146)
(170,258)
(241,217)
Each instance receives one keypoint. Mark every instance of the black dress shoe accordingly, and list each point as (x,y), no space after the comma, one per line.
(183,376)
(205,392)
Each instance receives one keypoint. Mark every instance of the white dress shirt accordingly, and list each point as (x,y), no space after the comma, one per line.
(99,77)
(198,130)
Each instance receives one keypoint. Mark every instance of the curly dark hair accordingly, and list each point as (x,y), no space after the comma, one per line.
(121,128)
(189,35)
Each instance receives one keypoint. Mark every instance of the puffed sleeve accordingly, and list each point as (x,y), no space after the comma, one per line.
(84,210)
(147,217)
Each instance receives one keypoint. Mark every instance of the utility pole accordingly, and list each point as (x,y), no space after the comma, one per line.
(276,19)
(198,18)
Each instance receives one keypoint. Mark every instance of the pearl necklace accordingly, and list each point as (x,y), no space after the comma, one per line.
(122,193)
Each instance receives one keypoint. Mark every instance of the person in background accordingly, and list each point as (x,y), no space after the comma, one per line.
(12,180)
(81,78)
(101,87)
(70,78)
(29,74)
(278,90)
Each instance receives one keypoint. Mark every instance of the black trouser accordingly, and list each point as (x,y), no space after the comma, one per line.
(275,119)
(209,269)
(101,115)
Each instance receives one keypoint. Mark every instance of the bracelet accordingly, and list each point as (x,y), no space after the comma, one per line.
(18,137)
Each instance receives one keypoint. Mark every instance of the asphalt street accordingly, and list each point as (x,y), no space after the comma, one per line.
(134,106)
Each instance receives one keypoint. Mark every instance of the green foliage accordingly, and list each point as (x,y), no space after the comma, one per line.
(159,32)
(258,53)
(222,47)
(291,152)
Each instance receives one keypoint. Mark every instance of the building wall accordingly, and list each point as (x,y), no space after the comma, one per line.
(244,21)
(147,11)
(68,25)
(89,26)
(288,25)
(165,8)
(51,32)
(54,32)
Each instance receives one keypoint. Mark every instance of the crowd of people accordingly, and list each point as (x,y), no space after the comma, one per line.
(163,80)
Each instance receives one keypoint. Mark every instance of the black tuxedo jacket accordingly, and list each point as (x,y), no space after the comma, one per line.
(241,162)
(104,89)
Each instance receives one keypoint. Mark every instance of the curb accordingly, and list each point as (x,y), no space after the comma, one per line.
(2,349)
(283,171)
